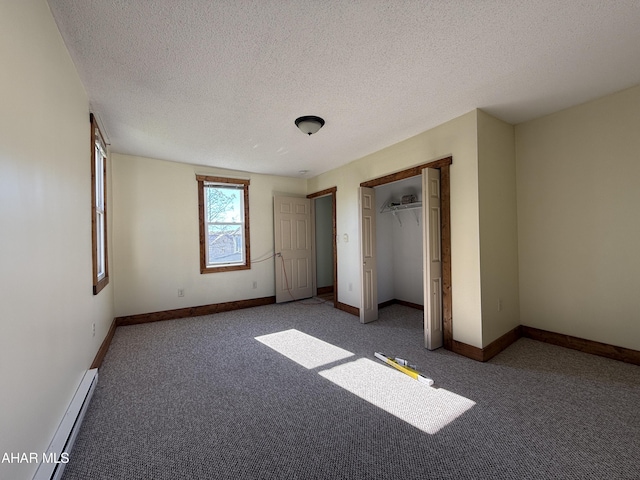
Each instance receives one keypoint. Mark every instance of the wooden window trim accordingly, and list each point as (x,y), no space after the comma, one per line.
(98,283)
(201,179)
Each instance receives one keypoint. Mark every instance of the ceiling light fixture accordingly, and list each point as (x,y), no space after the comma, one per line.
(309,124)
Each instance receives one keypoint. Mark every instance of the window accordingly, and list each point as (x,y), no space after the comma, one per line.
(224,224)
(98,208)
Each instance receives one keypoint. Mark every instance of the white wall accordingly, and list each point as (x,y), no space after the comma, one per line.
(156,236)
(407,247)
(399,247)
(47,306)
(498,227)
(384,246)
(457,138)
(578,221)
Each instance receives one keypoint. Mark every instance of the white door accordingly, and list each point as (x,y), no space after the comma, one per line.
(368,277)
(433,333)
(292,231)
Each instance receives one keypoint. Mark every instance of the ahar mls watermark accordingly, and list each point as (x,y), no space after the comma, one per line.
(34,457)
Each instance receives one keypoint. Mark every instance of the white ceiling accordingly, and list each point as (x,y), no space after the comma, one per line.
(220,83)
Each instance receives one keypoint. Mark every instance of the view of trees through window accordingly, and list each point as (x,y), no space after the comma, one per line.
(223,210)
(225,218)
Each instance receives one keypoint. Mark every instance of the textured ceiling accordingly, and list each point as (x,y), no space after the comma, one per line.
(220,83)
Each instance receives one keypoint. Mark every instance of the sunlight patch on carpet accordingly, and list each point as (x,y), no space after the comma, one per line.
(426,408)
(308,351)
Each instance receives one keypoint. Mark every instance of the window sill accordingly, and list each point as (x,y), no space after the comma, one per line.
(225,268)
(100,285)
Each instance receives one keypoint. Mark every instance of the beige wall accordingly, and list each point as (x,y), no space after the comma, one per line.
(578,221)
(47,306)
(498,227)
(156,236)
(457,138)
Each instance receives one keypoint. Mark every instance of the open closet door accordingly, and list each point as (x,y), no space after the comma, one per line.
(368,276)
(292,232)
(433,333)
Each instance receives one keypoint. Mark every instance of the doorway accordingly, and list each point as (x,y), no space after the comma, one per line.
(324,247)
(323,207)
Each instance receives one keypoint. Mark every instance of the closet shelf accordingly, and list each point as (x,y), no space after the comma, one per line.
(397,207)
(401,207)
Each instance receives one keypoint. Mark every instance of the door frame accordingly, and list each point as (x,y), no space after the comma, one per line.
(443,165)
(323,193)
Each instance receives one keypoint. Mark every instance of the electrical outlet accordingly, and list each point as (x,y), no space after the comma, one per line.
(350,286)
(499,304)
(255,284)
(181,292)
(94,329)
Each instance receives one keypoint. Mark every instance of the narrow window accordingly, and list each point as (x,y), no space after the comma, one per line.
(223,205)
(99,208)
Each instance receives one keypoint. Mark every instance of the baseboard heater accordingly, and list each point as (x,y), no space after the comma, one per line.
(57,456)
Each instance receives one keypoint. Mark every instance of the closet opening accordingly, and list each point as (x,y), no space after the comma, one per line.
(406,246)
(399,237)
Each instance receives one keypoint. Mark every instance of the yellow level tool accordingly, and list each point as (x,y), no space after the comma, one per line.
(404,367)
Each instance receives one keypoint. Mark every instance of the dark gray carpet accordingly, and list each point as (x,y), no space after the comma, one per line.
(201,398)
